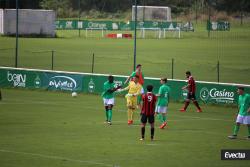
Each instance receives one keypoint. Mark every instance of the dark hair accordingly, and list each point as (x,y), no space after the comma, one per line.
(164,79)
(138,65)
(188,73)
(110,78)
(241,88)
(150,88)
(137,76)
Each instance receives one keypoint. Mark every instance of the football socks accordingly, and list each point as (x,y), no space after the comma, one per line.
(164,118)
(142,132)
(109,115)
(160,117)
(130,114)
(152,133)
(236,129)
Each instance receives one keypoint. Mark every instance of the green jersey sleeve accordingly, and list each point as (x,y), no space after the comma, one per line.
(133,74)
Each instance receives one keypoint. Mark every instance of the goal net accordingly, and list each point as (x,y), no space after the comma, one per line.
(95,32)
(152,13)
(149,32)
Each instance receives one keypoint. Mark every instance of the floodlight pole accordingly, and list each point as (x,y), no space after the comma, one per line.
(79,15)
(143,16)
(135,25)
(16,34)
(196,11)
(209,18)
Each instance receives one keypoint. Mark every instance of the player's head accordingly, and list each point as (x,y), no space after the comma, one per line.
(164,80)
(188,73)
(240,90)
(110,78)
(150,88)
(136,78)
(138,67)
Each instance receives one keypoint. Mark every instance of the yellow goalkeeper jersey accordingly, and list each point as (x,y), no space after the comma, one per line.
(133,88)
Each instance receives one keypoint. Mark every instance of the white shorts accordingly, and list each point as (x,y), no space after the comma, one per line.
(108,101)
(161,109)
(243,119)
(142,90)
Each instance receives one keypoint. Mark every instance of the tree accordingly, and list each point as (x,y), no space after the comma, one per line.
(60,6)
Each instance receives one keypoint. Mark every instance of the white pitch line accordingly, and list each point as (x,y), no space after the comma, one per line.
(152,144)
(56,157)
(205,118)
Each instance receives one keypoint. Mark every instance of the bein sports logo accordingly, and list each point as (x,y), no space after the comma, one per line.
(62,82)
(18,80)
(218,95)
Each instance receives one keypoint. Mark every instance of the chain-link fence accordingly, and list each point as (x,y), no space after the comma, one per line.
(220,56)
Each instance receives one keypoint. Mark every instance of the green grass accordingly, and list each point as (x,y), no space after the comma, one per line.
(194,51)
(52,129)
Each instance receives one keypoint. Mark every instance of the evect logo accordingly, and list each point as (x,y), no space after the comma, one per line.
(238,155)
(63,83)
(18,80)
(235,154)
(218,95)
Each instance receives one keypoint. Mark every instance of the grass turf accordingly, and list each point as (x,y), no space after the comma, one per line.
(194,51)
(39,128)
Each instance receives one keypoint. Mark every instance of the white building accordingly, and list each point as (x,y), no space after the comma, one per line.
(30,22)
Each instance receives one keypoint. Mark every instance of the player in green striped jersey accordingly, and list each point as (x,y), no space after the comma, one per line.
(108,97)
(243,116)
(162,102)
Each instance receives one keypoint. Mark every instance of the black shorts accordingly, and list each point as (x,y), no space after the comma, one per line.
(150,119)
(191,96)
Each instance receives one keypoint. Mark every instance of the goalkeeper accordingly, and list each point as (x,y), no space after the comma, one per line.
(134,90)
(138,72)
(108,97)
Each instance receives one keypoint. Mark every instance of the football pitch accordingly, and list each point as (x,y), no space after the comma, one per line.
(194,51)
(52,129)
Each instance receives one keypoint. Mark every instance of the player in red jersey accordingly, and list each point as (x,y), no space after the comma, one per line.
(148,111)
(191,87)
(138,72)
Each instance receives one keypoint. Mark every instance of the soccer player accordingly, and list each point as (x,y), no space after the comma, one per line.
(108,97)
(134,90)
(138,72)
(191,87)
(148,111)
(162,102)
(243,116)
